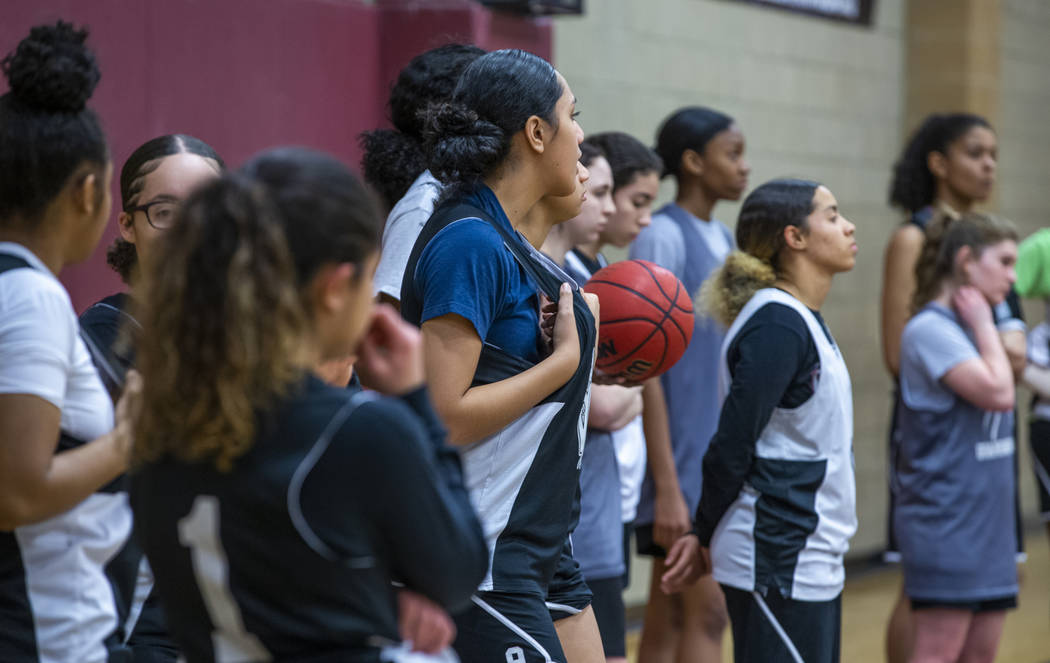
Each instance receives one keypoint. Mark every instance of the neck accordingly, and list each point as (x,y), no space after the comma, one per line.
(696,201)
(590,250)
(536,226)
(46,246)
(556,246)
(944,295)
(806,283)
(515,199)
(955,203)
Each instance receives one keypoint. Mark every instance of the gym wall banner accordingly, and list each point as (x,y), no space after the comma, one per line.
(851,11)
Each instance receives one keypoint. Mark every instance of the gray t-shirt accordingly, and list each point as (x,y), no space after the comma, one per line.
(403,225)
(932,345)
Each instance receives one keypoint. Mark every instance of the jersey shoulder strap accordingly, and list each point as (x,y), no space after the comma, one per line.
(9,262)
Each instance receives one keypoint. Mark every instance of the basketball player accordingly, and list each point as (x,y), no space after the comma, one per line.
(948,167)
(703,150)
(614,457)
(777,507)
(275,509)
(394,162)
(598,538)
(954,489)
(153,182)
(514,405)
(63,517)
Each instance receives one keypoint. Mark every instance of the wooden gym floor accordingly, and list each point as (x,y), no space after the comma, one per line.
(869,597)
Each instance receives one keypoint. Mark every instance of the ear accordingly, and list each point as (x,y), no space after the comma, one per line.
(126,224)
(535,133)
(964,258)
(692,163)
(938,164)
(795,238)
(85,194)
(332,286)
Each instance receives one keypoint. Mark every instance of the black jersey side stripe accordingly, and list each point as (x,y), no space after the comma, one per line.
(295,487)
(16,613)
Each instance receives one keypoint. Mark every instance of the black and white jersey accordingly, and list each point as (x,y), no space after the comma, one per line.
(290,555)
(56,602)
(789,524)
(524,479)
(104,328)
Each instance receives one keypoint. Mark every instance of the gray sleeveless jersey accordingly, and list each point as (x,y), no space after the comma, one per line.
(954,484)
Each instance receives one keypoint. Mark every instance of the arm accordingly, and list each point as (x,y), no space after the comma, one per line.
(670,513)
(613,407)
(986,381)
(898,287)
(1037,378)
(35,482)
(1014,344)
(451,349)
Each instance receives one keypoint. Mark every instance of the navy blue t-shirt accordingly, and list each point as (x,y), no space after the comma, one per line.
(467,270)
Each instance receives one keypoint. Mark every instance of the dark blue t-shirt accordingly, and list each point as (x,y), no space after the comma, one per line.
(467,270)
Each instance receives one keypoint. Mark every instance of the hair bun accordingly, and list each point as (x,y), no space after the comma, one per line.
(462,146)
(52,70)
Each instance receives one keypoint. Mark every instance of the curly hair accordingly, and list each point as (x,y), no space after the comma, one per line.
(393,158)
(764,215)
(945,236)
(913,186)
(226,314)
(46,130)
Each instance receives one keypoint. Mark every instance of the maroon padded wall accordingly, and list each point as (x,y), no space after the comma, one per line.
(248,74)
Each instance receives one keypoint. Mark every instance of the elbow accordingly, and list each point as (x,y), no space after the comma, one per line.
(463,575)
(14,513)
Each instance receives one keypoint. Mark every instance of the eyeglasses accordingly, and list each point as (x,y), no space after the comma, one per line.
(160,213)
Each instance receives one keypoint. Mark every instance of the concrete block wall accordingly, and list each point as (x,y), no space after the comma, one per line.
(815,98)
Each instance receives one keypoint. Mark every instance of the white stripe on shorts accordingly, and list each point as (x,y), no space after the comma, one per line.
(561,607)
(778,628)
(517,630)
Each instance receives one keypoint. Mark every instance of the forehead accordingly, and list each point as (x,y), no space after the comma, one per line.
(823,198)
(647,182)
(601,171)
(977,134)
(177,174)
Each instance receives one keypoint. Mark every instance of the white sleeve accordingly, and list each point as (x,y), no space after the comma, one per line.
(38,332)
(399,236)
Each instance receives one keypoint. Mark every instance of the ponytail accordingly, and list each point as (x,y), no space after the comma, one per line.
(765,214)
(945,236)
(724,293)
(227,314)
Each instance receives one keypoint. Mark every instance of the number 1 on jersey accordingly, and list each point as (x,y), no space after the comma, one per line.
(199,531)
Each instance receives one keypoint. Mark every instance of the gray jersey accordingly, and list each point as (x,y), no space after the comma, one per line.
(954,484)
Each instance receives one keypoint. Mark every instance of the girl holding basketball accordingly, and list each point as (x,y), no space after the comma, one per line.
(616,424)
(247,462)
(516,406)
(703,150)
(954,489)
(947,168)
(777,507)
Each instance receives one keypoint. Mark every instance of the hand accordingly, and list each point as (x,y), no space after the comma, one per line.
(424,623)
(390,357)
(620,381)
(972,307)
(670,517)
(686,561)
(563,333)
(547,316)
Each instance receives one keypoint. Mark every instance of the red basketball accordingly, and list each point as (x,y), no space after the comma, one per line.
(646,319)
